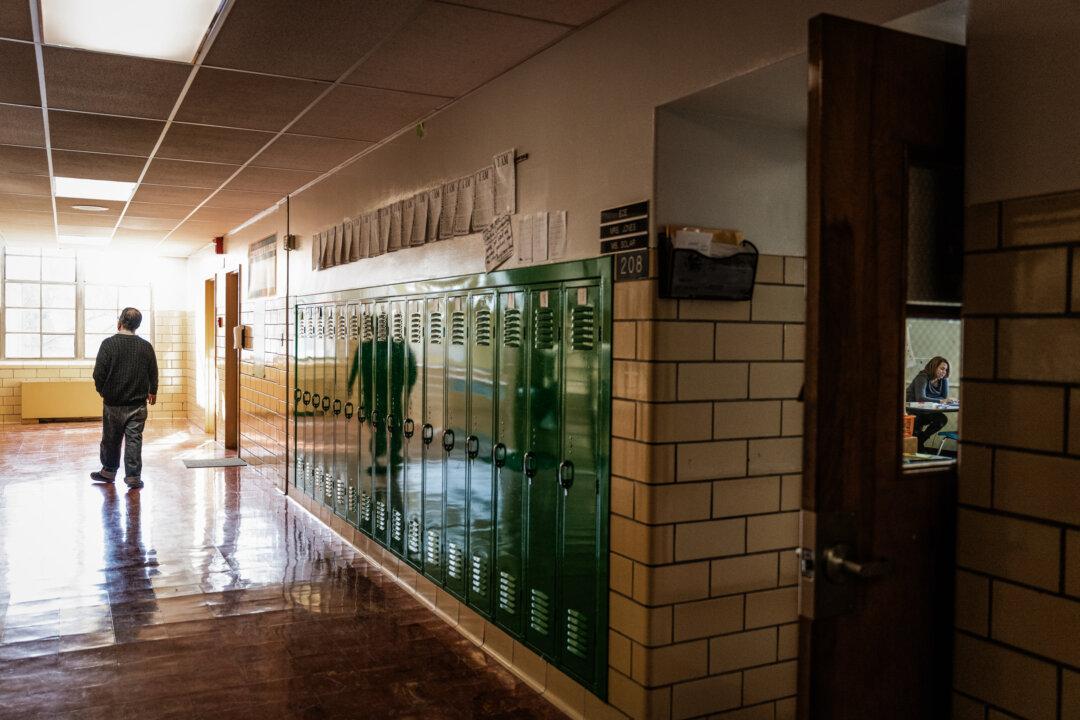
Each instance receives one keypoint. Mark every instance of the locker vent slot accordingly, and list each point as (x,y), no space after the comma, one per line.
(318,327)
(317,478)
(365,508)
(483,327)
(340,495)
(433,551)
(479,578)
(397,526)
(399,327)
(416,328)
(455,561)
(435,331)
(507,592)
(539,611)
(354,326)
(512,328)
(457,328)
(577,633)
(382,331)
(342,327)
(352,500)
(544,329)
(369,328)
(414,534)
(380,516)
(582,327)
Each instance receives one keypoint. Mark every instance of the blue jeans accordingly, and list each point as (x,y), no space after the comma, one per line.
(122,423)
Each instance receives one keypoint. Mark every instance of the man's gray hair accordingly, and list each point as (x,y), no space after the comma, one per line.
(130,319)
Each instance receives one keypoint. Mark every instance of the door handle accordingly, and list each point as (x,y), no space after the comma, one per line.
(408,427)
(498,454)
(337,407)
(448,440)
(529,464)
(427,433)
(472,446)
(840,568)
(566,475)
(348,410)
(325,402)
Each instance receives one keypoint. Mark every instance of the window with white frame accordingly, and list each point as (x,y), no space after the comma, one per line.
(102,305)
(39,303)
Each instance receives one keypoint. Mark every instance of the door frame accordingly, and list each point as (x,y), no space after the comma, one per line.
(231,433)
(209,355)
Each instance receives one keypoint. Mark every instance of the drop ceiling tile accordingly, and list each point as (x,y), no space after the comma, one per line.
(112,84)
(15,20)
(178,248)
(99,220)
(25,218)
(159,210)
(301,152)
(25,184)
(567,12)
(66,205)
(103,133)
(244,200)
(243,100)
(271,179)
(30,236)
(211,144)
(24,160)
(20,125)
(197,231)
(163,225)
(228,217)
(18,67)
(127,237)
(449,50)
(25,202)
(188,174)
(358,113)
(97,166)
(84,231)
(318,40)
(170,195)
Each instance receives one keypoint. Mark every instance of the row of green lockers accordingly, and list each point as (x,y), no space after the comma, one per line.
(468,431)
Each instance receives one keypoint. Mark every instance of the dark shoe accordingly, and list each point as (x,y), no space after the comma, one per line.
(97,477)
(133,483)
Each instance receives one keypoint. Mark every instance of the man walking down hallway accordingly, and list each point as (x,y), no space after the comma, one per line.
(126,377)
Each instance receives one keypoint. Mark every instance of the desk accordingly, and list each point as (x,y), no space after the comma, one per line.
(922,408)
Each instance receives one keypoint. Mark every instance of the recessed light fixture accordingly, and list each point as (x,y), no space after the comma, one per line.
(92,189)
(90,208)
(166,29)
(84,240)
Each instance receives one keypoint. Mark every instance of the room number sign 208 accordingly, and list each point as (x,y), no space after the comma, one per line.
(632,265)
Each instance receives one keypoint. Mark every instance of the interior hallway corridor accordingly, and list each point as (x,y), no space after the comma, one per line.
(207,594)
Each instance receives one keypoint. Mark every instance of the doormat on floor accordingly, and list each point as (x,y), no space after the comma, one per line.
(213,462)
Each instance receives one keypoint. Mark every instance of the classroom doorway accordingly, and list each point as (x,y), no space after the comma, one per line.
(207,374)
(227,404)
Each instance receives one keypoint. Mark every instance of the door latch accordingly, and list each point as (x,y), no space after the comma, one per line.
(806,562)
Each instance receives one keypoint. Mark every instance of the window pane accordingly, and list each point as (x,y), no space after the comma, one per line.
(22,346)
(58,346)
(99,321)
(136,297)
(22,320)
(58,296)
(58,269)
(100,297)
(22,268)
(58,321)
(23,295)
(93,342)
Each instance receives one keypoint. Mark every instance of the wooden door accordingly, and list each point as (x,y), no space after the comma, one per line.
(232,363)
(875,635)
(208,396)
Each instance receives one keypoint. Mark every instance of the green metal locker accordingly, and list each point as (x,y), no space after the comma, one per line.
(309,400)
(508,451)
(454,444)
(540,465)
(396,381)
(379,413)
(317,390)
(432,436)
(341,369)
(299,406)
(412,424)
(365,379)
(352,422)
(326,489)
(478,449)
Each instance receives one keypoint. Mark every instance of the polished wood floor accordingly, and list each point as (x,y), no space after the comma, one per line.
(207,595)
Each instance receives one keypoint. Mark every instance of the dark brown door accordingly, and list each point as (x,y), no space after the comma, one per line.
(875,633)
(232,362)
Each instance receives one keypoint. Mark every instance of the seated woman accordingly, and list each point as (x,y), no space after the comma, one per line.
(930,385)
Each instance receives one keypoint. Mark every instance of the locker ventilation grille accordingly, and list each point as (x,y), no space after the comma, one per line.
(483,327)
(539,611)
(435,333)
(577,633)
(512,328)
(352,500)
(479,575)
(544,330)
(416,328)
(301,327)
(433,551)
(342,327)
(507,592)
(365,508)
(399,327)
(317,328)
(380,516)
(455,561)
(381,329)
(582,327)
(340,494)
(457,328)
(414,535)
(369,329)
(354,326)
(397,526)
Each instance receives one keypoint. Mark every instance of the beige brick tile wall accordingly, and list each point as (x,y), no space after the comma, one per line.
(704,508)
(1017,603)
(264,390)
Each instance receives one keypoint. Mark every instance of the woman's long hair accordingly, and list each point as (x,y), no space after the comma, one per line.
(934,364)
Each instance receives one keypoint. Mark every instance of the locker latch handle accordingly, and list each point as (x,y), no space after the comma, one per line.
(391,424)
(307,397)
(408,427)
(297,396)
(472,446)
(427,433)
(361,413)
(348,410)
(374,417)
(325,402)
(315,398)
(566,475)
(529,465)
(448,440)
(498,453)
(337,407)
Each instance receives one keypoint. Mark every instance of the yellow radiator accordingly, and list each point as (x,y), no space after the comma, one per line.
(52,399)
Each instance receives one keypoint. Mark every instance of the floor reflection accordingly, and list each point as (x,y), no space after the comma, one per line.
(207,595)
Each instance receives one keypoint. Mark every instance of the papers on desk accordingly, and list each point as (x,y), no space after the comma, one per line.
(932,406)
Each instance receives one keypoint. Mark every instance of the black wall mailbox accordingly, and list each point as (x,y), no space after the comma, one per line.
(686,273)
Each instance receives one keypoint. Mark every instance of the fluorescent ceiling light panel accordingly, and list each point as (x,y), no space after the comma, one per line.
(165,29)
(83,240)
(92,189)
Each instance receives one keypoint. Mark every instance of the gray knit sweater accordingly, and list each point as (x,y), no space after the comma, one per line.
(126,370)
